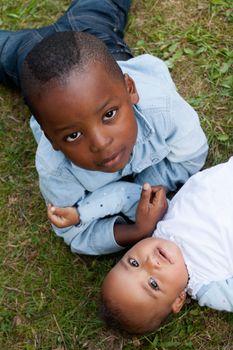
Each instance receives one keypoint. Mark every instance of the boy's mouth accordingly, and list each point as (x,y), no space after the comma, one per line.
(112,161)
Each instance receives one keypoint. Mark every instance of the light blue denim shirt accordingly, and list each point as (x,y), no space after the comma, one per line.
(170,147)
(217,295)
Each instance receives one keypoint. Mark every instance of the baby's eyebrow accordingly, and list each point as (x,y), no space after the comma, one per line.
(149,291)
(124,264)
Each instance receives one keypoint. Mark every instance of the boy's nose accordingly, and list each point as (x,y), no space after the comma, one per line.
(99,141)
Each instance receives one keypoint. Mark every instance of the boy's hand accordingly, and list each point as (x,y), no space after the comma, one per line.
(151,208)
(63,217)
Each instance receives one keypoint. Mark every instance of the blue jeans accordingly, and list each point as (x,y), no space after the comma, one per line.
(106,19)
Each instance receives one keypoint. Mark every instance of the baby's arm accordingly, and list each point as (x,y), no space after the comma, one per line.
(217,295)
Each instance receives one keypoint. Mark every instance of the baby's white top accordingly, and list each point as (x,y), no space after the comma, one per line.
(200,221)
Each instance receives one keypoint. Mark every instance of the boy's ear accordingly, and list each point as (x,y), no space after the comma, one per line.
(179,302)
(131,88)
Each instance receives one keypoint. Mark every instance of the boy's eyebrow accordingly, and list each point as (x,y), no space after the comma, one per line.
(103,105)
(63,128)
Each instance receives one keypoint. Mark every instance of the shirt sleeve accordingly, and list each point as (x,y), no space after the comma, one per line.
(186,143)
(170,174)
(94,238)
(95,233)
(111,199)
(217,295)
(184,135)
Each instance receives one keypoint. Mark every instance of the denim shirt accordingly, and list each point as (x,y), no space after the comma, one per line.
(169,148)
(217,295)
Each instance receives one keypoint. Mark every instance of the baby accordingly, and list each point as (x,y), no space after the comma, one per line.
(189,252)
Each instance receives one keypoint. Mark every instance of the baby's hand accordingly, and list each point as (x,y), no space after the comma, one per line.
(63,217)
(151,207)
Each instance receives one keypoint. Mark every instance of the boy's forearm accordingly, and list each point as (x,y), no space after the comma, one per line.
(111,199)
(129,234)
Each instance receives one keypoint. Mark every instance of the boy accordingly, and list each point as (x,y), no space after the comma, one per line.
(189,252)
(97,122)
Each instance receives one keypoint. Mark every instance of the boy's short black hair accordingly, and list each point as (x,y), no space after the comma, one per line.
(56,56)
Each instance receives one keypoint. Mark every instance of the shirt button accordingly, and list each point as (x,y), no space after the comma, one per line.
(115,29)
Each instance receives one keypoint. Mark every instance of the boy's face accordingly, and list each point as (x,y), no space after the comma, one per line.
(90,119)
(149,281)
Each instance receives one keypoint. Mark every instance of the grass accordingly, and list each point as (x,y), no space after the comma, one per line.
(48,296)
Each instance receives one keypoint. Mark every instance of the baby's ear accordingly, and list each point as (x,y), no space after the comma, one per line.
(179,302)
(131,88)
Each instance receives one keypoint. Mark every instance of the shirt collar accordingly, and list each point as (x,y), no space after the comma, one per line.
(145,129)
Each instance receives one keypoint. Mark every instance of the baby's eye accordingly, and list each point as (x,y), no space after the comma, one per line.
(153,284)
(74,136)
(133,262)
(110,115)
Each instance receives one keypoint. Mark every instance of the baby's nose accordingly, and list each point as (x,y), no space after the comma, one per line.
(153,262)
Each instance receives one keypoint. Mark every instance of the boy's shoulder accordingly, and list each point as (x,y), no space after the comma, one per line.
(150,67)
(152,79)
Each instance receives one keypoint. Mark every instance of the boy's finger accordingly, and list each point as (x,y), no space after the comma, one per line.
(146,186)
(58,211)
(160,197)
(145,195)
(58,221)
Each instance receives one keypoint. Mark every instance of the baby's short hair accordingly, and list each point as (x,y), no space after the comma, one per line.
(56,56)
(115,318)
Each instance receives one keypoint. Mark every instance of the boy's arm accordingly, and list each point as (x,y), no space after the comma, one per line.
(186,143)
(94,235)
(186,140)
(101,236)
(108,235)
(151,208)
(171,174)
(111,199)
(118,197)
(63,217)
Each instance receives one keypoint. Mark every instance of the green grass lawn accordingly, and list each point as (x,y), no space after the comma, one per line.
(49,296)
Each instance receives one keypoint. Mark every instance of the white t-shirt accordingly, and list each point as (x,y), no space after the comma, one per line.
(200,221)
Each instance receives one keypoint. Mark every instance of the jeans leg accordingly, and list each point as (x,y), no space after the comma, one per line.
(105,19)
(14,47)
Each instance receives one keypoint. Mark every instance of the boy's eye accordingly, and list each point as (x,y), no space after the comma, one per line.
(153,284)
(133,262)
(110,115)
(74,136)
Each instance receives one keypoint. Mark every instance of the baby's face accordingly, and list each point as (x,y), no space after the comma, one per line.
(90,119)
(149,280)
